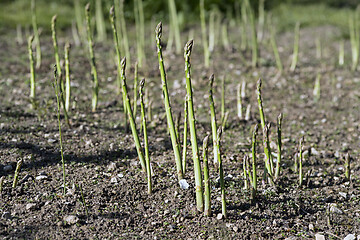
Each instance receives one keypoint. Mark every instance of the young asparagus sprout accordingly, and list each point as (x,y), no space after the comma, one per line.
(275,48)
(244,15)
(279,145)
(316,91)
(223,125)
(354,40)
(139,25)
(207,209)
(261,111)
(17,170)
(239,102)
(254,41)
(254,172)
(83,199)
(58,68)
(79,20)
(194,145)
(296,47)
(221,172)
(32,71)
(185,134)
(136,77)
(146,144)
(175,25)
(67,77)
(58,97)
(117,50)
(19,35)
(347,167)
(177,126)
(247,113)
(246,172)
(267,151)
(300,161)
(125,40)
(36,34)
(341,53)
(296,163)
(261,29)
(92,60)
(213,119)
(2,179)
(223,98)
(224,35)
(100,23)
(203,34)
(243,89)
(171,125)
(131,116)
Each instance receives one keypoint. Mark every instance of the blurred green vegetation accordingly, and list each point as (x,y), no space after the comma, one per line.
(287,12)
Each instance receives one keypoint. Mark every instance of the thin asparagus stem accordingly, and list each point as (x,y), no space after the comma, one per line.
(194,145)
(36,34)
(254,172)
(259,98)
(222,99)
(131,116)
(213,119)
(58,68)
(92,60)
(207,210)
(169,116)
(136,77)
(2,179)
(100,23)
(67,77)
(117,50)
(316,91)
(17,170)
(268,156)
(279,145)
(246,172)
(175,25)
(341,53)
(221,172)
(275,48)
(185,135)
(204,36)
(296,47)
(32,72)
(79,20)
(58,97)
(239,101)
(146,144)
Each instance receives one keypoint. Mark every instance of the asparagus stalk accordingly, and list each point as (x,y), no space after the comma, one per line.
(194,145)
(268,156)
(316,91)
(58,97)
(221,172)
(222,99)
(185,135)
(296,47)
(17,170)
(175,25)
(79,20)
(207,210)
(135,87)
(117,50)
(146,144)
(261,111)
(92,60)
(67,77)
(203,34)
(100,23)
(254,172)
(275,49)
(32,71)
(341,53)
(169,116)
(213,119)
(131,116)
(58,68)
(36,34)
(279,145)
(239,102)
(246,172)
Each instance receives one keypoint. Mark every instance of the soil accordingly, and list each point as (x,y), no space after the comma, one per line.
(106,195)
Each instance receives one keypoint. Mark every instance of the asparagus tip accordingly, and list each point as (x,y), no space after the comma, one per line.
(188,47)
(112,11)
(87,7)
(123,62)
(158,30)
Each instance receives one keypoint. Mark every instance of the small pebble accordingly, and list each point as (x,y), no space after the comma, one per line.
(111,166)
(343,194)
(41,177)
(50,140)
(219,216)
(335,209)
(236,229)
(319,237)
(30,206)
(183,184)
(350,237)
(113,180)
(8,168)
(71,219)
(311,227)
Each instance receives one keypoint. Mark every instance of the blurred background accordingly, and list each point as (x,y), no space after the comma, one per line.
(308,12)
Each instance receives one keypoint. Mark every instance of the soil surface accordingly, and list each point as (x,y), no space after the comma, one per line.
(106,191)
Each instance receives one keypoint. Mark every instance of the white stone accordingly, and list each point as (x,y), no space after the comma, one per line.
(30,206)
(41,177)
(343,194)
(319,237)
(219,216)
(350,237)
(183,184)
(71,219)
(335,209)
